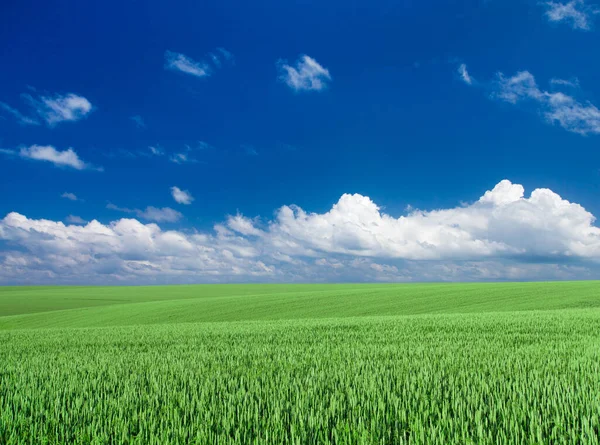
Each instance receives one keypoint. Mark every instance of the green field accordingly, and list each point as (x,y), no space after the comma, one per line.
(350,364)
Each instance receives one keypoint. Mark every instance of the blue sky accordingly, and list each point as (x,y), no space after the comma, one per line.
(165,142)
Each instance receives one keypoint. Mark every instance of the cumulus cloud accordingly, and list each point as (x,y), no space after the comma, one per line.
(181,196)
(52,109)
(575,13)
(180,62)
(47,153)
(503,235)
(306,75)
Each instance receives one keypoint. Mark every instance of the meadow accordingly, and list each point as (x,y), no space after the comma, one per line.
(498,363)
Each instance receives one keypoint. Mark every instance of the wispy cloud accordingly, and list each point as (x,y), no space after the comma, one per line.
(59,108)
(306,75)
(156,150)
(576,13)
(181,196)
(52,109)
(576,116)
(464,74)
(21,119)
(66,158)
(139,121)
(221,55)
(249,150)
(557,107)
(199,145)
(47,153)
(70,196)
(180,62)
(182,158)
(150,213)
(74,219)
(574,82)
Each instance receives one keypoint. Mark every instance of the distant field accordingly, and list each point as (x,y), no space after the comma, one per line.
(349,364)
(40,307)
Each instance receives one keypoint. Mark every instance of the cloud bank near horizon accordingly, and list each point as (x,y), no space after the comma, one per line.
(503,235)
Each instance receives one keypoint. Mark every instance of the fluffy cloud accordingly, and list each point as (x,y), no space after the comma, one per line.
(575,13)
(503,235)
(307,75)
(52,109)
(181,196)
(180,62)
(47,153)
(556,107)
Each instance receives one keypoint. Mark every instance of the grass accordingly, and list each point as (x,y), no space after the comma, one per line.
(348,364)
(44,307)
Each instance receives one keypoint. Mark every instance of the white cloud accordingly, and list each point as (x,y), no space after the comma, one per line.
(557,107)
(74,219)
(574,82)
(166,214)
(180,62)
(23,120)
(464,74)
(156,150)
(181,196)
(47,153)
(139,121)
(52,109)
(226,54)
(518,87)
(307,75)
(60,108)
(503,235)
(182,158)
(150,213)
(576,13)
(69,196)
(66,158)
